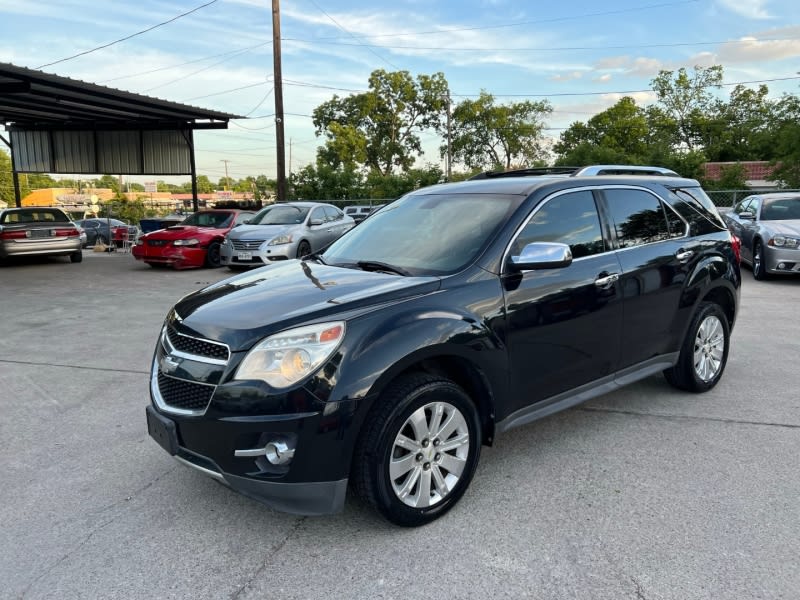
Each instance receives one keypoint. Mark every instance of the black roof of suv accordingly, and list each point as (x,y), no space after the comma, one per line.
(451,315)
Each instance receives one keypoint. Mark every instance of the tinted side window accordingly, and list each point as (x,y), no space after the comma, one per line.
(696,207)
(638,217)
(568,219)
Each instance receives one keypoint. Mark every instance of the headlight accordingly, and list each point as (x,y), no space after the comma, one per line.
(784,242)
(281,239)
(189,242)
(285,358)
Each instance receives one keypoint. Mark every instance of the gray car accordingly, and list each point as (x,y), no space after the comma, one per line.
(35,230)
(283,231)
(768,226)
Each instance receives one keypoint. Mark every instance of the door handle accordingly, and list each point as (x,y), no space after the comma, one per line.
(607,280)
(684,255)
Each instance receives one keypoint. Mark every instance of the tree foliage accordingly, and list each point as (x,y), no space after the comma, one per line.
(379,130)
(490,135)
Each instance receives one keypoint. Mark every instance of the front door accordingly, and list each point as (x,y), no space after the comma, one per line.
(563,325)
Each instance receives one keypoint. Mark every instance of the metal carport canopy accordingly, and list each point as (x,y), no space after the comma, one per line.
(67,126)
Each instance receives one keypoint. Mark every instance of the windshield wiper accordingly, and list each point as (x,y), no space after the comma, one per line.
(317,256)
(373,265)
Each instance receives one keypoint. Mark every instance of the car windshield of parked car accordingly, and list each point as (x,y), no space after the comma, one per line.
(281,215)
(217,220)
(425,234)
(781,209)
(34,215)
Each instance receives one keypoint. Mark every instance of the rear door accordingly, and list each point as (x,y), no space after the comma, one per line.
(656,254)
(563,325)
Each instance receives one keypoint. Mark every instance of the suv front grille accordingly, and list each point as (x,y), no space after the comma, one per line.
(198,347)
(184,395)
(250,245)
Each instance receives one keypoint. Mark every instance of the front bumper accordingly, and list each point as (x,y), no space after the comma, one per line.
(255,477)
(179,257)
(782,261)
(256,257)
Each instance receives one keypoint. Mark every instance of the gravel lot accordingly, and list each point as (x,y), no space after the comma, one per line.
(646,493)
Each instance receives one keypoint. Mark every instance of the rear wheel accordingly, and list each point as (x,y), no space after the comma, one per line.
(704,352)
(303,249)
(213,255)
(418,450)
(759,268)
(76,257)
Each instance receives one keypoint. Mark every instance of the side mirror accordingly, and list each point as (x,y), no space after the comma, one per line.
(747,215)
(315,222)
(541,255)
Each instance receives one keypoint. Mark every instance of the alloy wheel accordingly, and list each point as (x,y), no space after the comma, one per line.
(709,348)
(429,455)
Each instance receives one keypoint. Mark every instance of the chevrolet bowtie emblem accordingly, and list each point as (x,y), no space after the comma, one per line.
(169,364)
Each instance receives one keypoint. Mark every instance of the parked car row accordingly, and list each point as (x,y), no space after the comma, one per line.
(42,231)
(101,230)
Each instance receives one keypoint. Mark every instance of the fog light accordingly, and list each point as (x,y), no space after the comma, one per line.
(279,452)
(781,265)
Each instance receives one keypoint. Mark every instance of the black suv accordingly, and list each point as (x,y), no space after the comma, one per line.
(451,315)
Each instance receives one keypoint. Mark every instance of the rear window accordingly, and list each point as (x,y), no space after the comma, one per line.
(694,205)
(34,215)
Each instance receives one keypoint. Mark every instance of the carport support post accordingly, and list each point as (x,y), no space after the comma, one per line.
(189,137)
(14,174)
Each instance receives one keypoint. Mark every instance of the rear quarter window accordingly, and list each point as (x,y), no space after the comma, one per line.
(697,209)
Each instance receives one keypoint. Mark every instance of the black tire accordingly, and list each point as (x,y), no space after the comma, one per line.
(759,270)
(303,249)
(156,265)
(376,449)
(701,361)
(213,258)
(76,257)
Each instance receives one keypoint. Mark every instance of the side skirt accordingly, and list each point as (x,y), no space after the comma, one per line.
(588,391)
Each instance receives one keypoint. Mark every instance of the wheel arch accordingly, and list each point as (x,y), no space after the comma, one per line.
(724,298)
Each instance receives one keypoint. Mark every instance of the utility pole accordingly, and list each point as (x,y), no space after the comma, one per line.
(290,157)
(226,161)
(278,81)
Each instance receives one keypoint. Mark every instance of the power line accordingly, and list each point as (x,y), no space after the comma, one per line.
(127,37)
(264,99)
(244,87)
(551,49)
(395,67)
(188,62)
(521,23)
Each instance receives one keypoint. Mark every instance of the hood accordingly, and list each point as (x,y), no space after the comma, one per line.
(183,232)
(790,227)
(243,310)
(260,232)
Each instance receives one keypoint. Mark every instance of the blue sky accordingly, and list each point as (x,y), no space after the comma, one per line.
(579,54)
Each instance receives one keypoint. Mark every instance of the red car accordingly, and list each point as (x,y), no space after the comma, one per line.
(192,243)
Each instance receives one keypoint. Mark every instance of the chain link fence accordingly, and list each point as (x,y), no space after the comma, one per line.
(727,198)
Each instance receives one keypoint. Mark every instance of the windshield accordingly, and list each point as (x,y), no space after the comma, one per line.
(281,215)
(218,220)
(425,234)
(781,209)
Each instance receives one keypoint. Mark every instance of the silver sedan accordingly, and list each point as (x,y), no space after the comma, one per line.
(35,230)
(769,228)
(283,231)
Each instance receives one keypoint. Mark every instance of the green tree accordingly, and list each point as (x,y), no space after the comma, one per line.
(742,128)
(686,100)
(787,141)
(395,185)
(379,130)
(108,182)
(618,135)
(489,135)
(324,182)
(204,185)
(6,180)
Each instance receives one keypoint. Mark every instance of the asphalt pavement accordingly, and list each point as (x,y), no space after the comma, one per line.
(646,493)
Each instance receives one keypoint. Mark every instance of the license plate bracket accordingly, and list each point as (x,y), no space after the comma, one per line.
(162,430)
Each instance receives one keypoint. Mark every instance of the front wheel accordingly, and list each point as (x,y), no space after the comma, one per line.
(759,268)
(418,451)
(303,249)
(704,352)
(213,258)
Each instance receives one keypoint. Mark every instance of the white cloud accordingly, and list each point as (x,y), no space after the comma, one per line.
(603,78)
(567,76)
(752,9)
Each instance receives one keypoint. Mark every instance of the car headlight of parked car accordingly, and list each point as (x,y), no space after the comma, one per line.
(189,242)
(283,359)
(782,241)
(281,239)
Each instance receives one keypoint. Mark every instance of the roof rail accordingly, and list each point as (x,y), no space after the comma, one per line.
(580,171)
(623,170)
(525,172)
